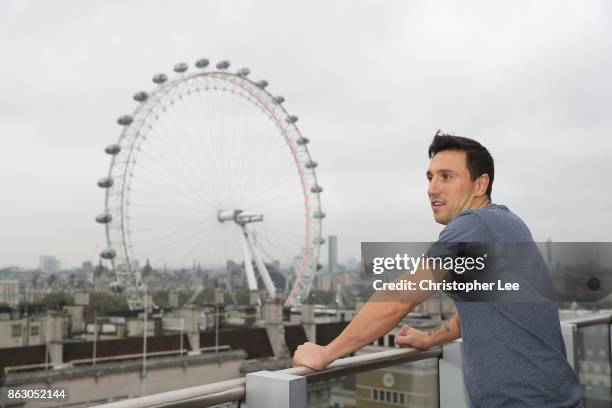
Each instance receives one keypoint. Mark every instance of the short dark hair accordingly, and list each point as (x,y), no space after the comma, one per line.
(478,159)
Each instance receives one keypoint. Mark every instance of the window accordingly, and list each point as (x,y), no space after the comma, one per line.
(391,340)
(401,398)
(395,397)
(375,394)
(388,399)
(34,331)
(381,341)
(16,330)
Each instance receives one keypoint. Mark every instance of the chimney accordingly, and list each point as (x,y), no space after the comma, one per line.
(191,327)
(173,299)
(55,337)
(308,319)
(273,322)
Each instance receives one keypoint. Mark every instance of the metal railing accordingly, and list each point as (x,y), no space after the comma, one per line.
(234,390)
(99,360)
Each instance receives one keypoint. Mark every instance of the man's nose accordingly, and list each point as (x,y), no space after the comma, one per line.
(433,189)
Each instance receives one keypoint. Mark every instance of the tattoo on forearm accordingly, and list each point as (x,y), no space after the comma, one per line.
(444,328)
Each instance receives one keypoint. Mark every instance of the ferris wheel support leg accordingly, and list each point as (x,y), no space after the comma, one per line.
(261,267)
(248,264)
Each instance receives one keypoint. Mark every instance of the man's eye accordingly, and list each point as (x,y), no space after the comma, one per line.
(446,177)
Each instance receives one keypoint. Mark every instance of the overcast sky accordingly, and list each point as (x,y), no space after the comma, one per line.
(370,81)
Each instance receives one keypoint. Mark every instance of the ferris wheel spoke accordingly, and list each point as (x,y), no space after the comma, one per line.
(200,132)
(191,172)
(163,207)
(165,135)
(278,250)
(169,171)
(251,134)
(166,244)
(160,134)
(272,209)
(259,155)
(164,186)
(174,225)
(277,241)
(190,134)
(199,243)
(221,136)
(262,185)
(157,239)
(245,113)
(268,199)
(164,199)
(211,142)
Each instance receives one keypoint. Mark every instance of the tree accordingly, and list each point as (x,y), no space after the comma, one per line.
(107,302)
(57,300)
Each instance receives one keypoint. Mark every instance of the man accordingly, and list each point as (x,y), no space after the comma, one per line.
(513,353)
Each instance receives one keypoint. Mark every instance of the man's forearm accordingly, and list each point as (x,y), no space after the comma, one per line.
(449,331)
(373,321)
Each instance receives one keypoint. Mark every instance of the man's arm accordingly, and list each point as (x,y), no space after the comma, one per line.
(381,313)
(374,320)
(411,337)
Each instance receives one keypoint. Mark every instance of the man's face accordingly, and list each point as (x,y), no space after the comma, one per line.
(451,189)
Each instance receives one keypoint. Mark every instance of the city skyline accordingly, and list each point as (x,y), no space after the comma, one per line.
(529,83)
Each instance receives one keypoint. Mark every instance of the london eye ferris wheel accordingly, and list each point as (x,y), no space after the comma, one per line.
(211,167)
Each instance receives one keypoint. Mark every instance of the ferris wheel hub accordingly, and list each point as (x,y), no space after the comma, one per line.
(239,217)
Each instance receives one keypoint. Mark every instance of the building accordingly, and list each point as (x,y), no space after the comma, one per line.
(48,264)
(332,254)
(20,330)
(9,292)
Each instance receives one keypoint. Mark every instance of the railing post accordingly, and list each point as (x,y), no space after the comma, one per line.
(267,389)
(450,368)
(568,332)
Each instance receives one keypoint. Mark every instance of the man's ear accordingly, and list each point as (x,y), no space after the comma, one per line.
(482,183)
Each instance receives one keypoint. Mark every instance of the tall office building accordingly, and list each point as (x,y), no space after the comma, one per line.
(332,254)
(49,264)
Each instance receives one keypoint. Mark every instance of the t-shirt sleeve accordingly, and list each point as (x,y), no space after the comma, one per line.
(466,236)
(466,228)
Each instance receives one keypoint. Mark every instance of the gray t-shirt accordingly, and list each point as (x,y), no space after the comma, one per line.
(513,352)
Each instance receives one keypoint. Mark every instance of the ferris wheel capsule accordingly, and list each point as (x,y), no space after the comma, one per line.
(180,67)
(202,63)
(112,149)
(319,240)
(104,218)
(311,164)
(291,119)
(316,189)
(105,182)
(124,120)
(141,96)
(223,65)
(303,141)
(278,100)
(262,84)
(108,253)
(243,72)
(116,287)
(319,215)
(160,78)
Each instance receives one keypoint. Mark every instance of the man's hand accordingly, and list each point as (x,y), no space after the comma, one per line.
(311,355)
(411,337)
